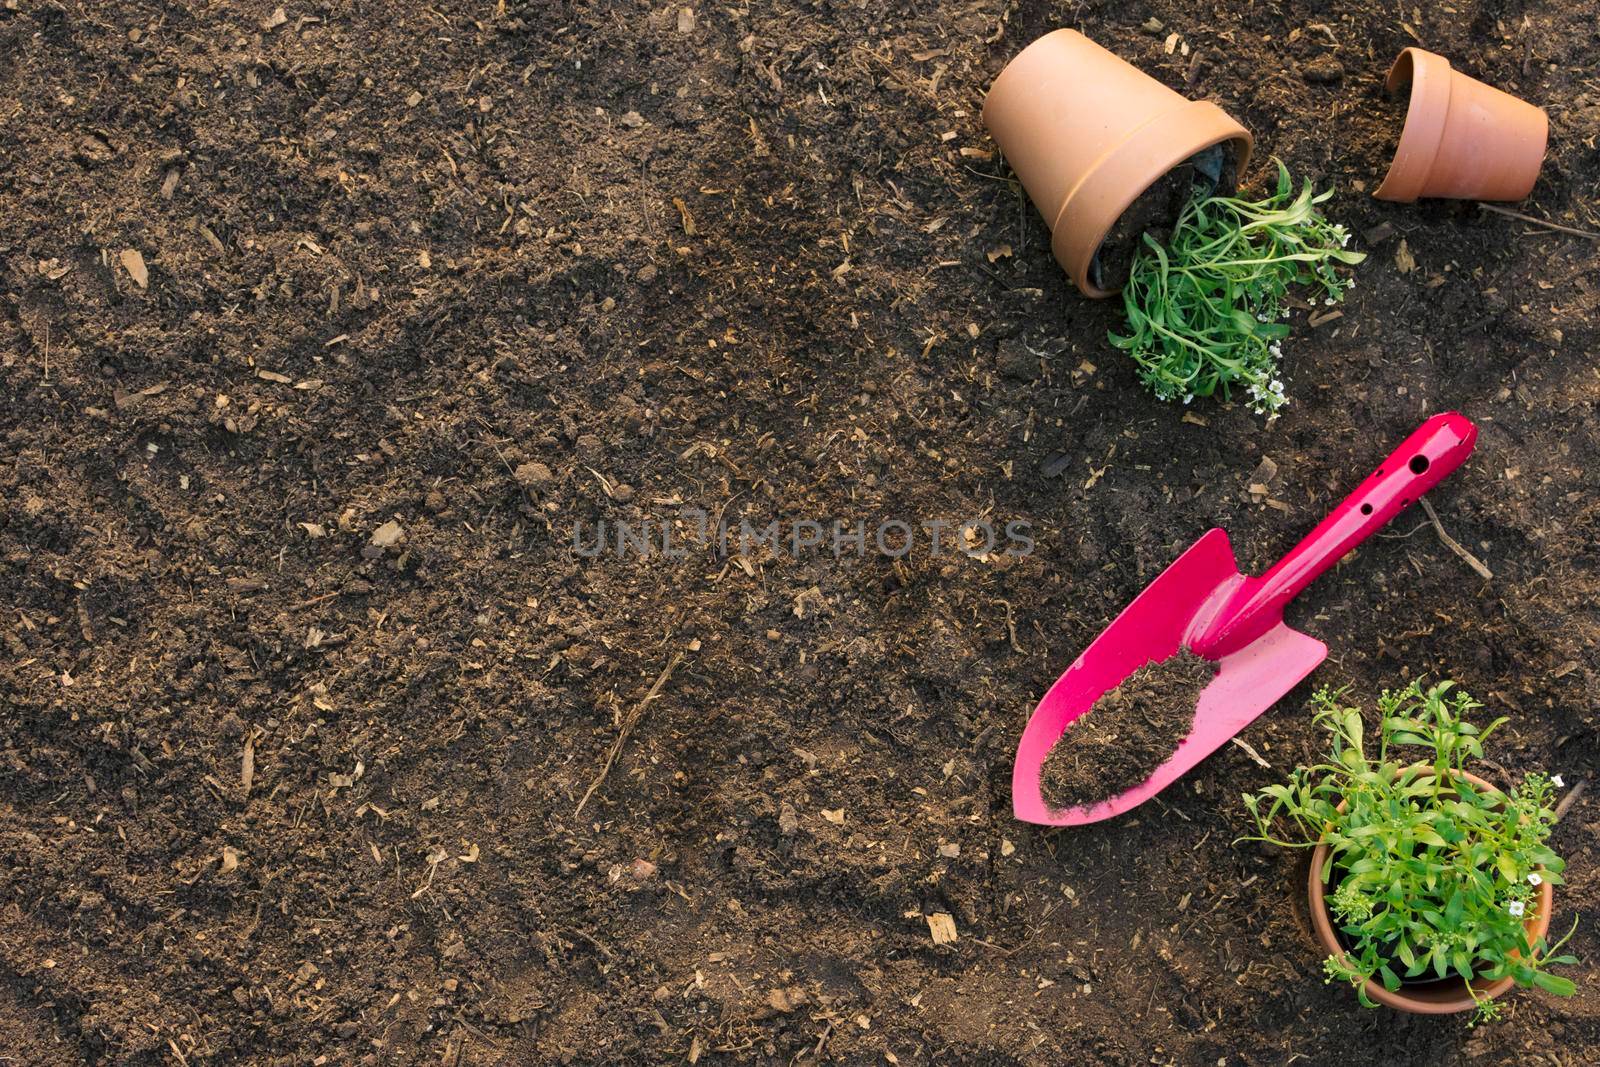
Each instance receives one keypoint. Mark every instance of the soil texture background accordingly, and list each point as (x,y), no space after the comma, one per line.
(323,325)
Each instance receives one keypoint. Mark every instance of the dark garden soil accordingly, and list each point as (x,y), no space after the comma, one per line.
(1154,212)
(1127,733)
(320,331)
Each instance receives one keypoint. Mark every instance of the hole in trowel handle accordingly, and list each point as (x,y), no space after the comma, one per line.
(1419,464)
(1366,509)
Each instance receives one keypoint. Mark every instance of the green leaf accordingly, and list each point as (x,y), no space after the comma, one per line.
(1552,983)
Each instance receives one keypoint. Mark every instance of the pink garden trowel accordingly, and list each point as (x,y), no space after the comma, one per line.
(1203,603)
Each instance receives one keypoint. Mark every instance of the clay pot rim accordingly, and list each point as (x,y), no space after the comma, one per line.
(1537,925)
(1423,131)
(1125,172)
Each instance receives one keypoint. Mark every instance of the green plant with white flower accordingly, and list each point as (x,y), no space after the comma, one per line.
(1205,311)
(1430,876)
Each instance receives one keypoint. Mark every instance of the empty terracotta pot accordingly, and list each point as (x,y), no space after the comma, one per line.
(1087,133)
(1443,996)
(1462,139)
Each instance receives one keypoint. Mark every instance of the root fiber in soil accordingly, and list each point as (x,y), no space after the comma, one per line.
(1128,733)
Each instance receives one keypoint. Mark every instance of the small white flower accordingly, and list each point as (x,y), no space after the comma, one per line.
(1350,283)
(1534,879)
(1187,397)
(1555,780)
(1330,301)
(1515,907)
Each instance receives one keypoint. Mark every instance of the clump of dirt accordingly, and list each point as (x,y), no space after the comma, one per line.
(1128,733)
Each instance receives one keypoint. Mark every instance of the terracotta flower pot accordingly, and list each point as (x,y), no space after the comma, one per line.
(1462,139)
(1442,996)
(1087,133)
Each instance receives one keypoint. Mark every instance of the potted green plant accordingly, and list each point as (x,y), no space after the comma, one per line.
(1205,309)
(1089,133)
(1430,889)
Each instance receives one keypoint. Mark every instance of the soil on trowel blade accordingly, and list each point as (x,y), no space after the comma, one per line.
(1128,733)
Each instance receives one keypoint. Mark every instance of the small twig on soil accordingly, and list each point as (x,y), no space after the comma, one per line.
(1453,545)
(595,944)
(628,723)
(1250,751)
(1418,528)
(484,423)
(247,763)
(1006,178)
(1508,213)
(992,274)
(1171,811)
(1011,625)
(1570,799)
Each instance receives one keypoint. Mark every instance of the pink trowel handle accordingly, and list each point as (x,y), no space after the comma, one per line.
(1439,446)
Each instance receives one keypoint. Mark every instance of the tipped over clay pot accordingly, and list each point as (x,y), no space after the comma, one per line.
(1442,996)
(1462,140)
(1087,133)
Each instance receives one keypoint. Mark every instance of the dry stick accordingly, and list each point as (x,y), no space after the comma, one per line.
(1455,546)
(1011,626)
(1508,213)
(314,600)
(1570,799)
(1007,952)
(1249,750)
(628,724)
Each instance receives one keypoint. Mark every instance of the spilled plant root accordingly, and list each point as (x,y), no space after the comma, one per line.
(1127,734)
